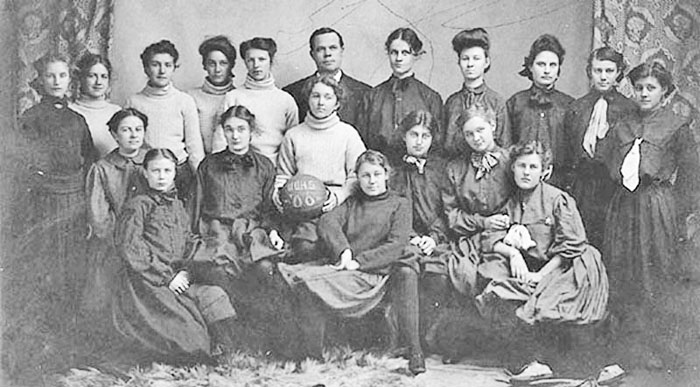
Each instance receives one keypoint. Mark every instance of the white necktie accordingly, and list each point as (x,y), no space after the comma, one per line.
(630,166)
(597,126)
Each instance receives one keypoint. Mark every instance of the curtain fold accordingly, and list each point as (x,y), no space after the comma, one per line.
(68,27)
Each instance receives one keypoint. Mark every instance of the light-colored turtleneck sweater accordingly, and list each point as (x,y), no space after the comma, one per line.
(325,148)
(97,113)
(208,99)
(275,111)
(172,122)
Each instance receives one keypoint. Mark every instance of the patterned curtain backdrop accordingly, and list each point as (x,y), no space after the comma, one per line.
(647,30)
(68,27)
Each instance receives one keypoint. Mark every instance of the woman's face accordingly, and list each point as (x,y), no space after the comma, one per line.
(648,93)
(218,68)
(373,179)
(129,134)
(322,100)
(401,58)
(603,74)
(237,133)
(545,69)
(418,140)
(478,133)
(473,63)
(258,64)
(96,82)
(160,69)
(527,171)
(160,174)
(56,79)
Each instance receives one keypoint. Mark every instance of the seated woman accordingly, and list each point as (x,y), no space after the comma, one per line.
(421,179)
(368,238)
(110,182)
(548,271)
(156,305)
(323,147)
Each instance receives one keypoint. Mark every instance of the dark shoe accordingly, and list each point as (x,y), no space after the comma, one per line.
(416,363)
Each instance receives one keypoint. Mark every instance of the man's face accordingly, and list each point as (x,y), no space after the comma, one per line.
(327,53)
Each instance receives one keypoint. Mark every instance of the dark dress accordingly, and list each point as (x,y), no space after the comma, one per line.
(350,108)
(376,229)
(462,100)
(576,292)
(110,182)
(388,103)
(468,202)
(538,115)
(44,275)
(590,180)
(152,238)
(644,225)
(423,190)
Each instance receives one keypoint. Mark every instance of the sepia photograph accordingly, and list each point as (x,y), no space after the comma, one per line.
(331,193)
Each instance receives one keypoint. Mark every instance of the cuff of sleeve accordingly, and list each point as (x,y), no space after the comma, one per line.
(337,250)
(281,180)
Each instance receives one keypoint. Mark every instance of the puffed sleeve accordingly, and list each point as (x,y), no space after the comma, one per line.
(569,234)
(511,107)
(459,221)
(503,130)
(101,216)
(133,248)
(269,214)
(195,206)
(392,249)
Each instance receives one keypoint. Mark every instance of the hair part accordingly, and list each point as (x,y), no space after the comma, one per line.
(416,118)
(328,80)
(477,110)
(323,31)
(531,148)
(157,154)
(43,62)
(116,119)
(242,112)
(543,43)
(373,157)
(162,47)
(258,43)
(656,70)
(475,37)
(609,54)
(218,43)
(88,60)
(407,35)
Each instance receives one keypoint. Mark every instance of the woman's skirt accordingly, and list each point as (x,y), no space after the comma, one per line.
(347,293)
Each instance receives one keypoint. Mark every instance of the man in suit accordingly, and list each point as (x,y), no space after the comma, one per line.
(327,48)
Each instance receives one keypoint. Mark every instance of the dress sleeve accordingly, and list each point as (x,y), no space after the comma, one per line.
(195,206)
(505,138)
(193,133)
(510,111)
(101,218)
(134,250)
(330,230)
(286,162)
(268,212)
(569,233)
(292,114)
(688,180)
(392,249)
(458,220)
(354,149)
(218,140)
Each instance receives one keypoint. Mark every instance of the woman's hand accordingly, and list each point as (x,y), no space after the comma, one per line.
(425,243)
(331,202)
(180,283)
(497,222)
(276,200)
(276,240)
(346,261)
(518,268)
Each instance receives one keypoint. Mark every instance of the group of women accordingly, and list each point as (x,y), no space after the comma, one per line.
(482,197)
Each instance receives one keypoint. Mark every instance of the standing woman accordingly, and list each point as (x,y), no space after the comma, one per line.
(46,277)
(644,219)
(390,101)
(537,114)
(95,75)
(474,60)
(218,60)
(588,124)
(275,109)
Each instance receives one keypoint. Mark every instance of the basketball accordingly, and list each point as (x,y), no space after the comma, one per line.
(302,197)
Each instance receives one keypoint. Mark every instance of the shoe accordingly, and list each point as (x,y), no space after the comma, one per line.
(416,363)
(402,352)
(531,372)
(610,375)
